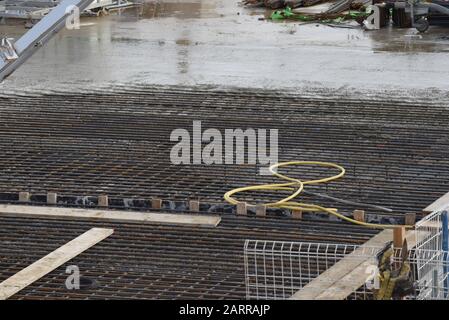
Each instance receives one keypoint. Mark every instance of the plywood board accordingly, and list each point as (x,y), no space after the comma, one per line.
(109,215)
(53,260)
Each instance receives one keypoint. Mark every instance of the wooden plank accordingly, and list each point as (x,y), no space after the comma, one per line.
(347,275)
(332,275)
(438,204)
(356,278)
(347,284)
(109,215)
(53,260)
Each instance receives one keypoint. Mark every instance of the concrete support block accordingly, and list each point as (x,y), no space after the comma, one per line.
(359,215)
(297,214)
(194,205)
(410,219)
(52,198)
(103,201)
(156,204)
(242,208)
(24,197)
(261,210)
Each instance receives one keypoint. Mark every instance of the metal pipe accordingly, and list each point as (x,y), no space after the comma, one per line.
(436,7)
(40,34)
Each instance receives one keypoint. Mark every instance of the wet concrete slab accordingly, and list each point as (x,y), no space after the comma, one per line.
(219,43)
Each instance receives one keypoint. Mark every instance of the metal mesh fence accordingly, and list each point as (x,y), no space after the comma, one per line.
(276,270)
(431,256)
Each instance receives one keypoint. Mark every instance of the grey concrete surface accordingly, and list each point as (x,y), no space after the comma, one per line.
(219,43)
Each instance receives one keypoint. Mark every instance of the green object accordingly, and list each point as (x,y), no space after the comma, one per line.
(288,14)
(282,14)
(339,20)
(356,14)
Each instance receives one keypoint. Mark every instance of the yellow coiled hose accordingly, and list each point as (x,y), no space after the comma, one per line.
(297,186)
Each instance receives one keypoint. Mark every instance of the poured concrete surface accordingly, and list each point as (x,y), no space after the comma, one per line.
(219,43)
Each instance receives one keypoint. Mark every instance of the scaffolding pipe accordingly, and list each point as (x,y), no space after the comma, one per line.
(436,7)
(12,56)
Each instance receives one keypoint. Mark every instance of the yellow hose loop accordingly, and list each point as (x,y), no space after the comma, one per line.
(297,186)
(280,186)
(306,163)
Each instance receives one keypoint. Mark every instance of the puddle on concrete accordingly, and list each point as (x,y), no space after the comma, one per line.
(179,9)
(409,40)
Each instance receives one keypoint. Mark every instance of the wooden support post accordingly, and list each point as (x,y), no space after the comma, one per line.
(261,210)
(359,215)
(242,208)
(24,197)
(410,219)
(103,201)
(297,214)
(52,198)
(398,237)
(194,205)
(156,204)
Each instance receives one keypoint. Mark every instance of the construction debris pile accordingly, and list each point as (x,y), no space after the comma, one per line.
(398,12)
(279,4)
(327,16)
(35,10)
(337,12)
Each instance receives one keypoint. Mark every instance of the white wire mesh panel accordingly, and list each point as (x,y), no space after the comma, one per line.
(276,270)
(432,279)
(432,264)
(429,232)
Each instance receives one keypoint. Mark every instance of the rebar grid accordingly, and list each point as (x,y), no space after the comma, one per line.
(117,142)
